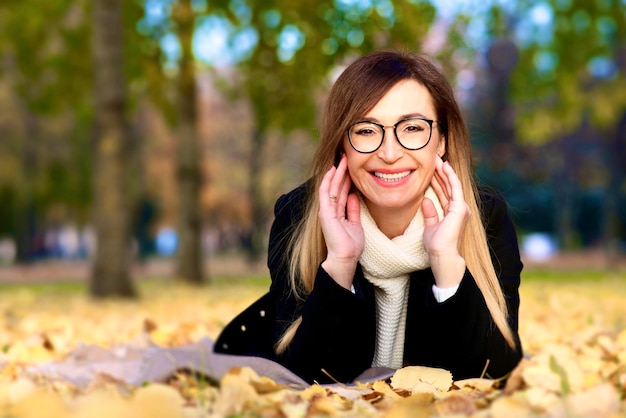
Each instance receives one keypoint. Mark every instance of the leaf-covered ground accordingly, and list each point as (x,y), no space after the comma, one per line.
(573,327)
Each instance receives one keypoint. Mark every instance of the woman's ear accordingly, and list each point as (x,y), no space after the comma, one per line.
(441,148)
(338,156)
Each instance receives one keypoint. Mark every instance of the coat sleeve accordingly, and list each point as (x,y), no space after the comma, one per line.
(336,335)
(459,334)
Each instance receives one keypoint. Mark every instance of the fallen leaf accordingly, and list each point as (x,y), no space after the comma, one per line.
(599,401)
(456,404)
(416,377)
(483,385)
(157,401)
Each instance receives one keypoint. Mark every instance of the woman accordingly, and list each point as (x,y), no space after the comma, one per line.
(389,255)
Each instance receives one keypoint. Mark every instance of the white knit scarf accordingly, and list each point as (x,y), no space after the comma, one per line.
(387,264)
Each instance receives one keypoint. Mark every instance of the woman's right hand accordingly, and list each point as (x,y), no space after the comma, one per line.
(340,218)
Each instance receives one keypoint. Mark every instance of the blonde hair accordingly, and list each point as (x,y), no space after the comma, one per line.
(356,91)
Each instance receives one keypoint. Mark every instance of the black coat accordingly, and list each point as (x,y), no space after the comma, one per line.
(337,333)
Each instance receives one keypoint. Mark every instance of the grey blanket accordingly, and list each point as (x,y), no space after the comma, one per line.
(136,366)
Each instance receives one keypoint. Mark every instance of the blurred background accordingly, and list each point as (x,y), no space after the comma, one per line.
(161,132)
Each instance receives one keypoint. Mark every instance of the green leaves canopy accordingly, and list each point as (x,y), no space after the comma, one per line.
(298,45)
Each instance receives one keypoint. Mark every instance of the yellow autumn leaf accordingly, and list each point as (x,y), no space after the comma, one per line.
(157,401)
(421,379)
(236,392)
(483,385)
(33,404)
(19,389)
(409,408)
(541,399)
(92,405)
(540,376)
(382,387)
(510,407)
(599,401)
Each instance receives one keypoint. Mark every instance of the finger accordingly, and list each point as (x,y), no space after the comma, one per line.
(324,190)
(353,209)
(442,175)
(337,181)
(431,217)
(457,197)
(342,199)
(441,194)
(456,188)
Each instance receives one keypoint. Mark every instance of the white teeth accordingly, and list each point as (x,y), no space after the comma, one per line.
(392,177)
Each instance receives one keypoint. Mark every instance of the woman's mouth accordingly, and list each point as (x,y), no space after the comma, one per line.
(392,177)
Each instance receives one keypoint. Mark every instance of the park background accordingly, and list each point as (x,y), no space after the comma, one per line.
(164,130)
(143,144)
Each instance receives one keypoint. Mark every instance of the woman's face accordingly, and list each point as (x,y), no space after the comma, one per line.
(393,179)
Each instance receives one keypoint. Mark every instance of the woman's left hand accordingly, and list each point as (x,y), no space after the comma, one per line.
(442,238)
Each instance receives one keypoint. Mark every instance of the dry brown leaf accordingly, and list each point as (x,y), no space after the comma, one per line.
(420,378)
(456,403)
(409,408)
(382,387)
(104,380)
(483,385)
(264,385)
(236,392)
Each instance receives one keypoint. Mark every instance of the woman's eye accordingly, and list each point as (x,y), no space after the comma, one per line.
(365,132)
(413,129)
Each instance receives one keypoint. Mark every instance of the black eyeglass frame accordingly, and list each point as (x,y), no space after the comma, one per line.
(395,133)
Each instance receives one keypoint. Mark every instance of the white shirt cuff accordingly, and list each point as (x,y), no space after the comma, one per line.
(443,294)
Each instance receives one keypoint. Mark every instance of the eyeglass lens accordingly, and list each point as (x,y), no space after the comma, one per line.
(412,134)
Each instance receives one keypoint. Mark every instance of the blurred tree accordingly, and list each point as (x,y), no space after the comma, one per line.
(43,53)
(297,47)
(570,77)
(42,56)
(189,176)
(178,19)
(111,274)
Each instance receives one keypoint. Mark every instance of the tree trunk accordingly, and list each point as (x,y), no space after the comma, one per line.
(111,272)
(190,261)
(257,232)
(613,226)
(27,222)
(565,196)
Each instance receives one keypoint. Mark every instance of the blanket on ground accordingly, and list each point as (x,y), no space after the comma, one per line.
(138,365)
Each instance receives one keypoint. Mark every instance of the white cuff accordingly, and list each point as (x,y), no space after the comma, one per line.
(443,294)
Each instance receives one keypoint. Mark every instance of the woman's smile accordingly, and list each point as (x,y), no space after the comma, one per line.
(392,177)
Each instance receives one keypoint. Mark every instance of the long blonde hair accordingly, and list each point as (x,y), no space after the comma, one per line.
(356,91)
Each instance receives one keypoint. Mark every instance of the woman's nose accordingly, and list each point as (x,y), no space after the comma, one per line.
(390,151)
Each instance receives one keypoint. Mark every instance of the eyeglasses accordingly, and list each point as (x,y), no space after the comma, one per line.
(412,133)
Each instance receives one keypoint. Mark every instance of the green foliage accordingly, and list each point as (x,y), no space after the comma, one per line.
(299,44)
(569,68)
(47,64)
(45,47)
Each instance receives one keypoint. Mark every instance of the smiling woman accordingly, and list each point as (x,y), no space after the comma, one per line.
(389,255)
